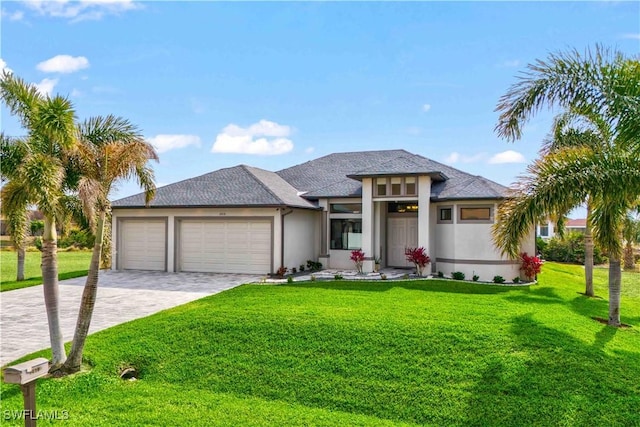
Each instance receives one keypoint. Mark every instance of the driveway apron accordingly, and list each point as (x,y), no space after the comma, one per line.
(122,296)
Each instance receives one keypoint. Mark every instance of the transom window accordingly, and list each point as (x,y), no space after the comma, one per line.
(347,208)
(402,207)
(346,234)
(395,186)
(445,215)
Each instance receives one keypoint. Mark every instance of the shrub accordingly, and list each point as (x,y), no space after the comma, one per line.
(476,277)
(289,279)
(530,265)
(440,274)
(36,227)
(458,275)
(357,256)
(418,257)
(301,268)
(570,249)
(37,242)
(314,266)
(313,278)
(338,276)
(405,276)
(282,271)
(541,245)
(294,270)
(77,238)
(498,279)
(516,280)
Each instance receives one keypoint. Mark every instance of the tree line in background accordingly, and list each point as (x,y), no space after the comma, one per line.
(66,169)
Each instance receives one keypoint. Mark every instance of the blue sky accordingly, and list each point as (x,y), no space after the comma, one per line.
(214,85)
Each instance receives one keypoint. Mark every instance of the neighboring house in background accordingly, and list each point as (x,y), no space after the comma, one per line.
(33,216)
(248,220)
(547,230)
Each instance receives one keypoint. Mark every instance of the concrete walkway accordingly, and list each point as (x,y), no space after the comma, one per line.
(122,296)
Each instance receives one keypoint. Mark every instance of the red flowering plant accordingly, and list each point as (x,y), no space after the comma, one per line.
(530,265)
(419,257)
(357,256)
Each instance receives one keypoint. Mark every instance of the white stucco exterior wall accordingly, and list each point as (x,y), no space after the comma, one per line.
(301,237)
(424,204)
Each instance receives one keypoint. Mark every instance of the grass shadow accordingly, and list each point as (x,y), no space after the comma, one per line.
(550,369)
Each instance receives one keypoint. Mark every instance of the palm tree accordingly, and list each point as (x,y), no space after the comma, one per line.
(601,85)
(110,149)
(38,180)
(571,129)
(12,152)
(631,235)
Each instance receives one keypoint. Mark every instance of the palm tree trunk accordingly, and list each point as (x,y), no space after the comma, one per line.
(615,276)
(629,262)
(88,302)
(51,293)
(21,256)
(588,256)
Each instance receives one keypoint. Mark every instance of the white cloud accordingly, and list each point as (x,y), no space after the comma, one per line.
(456,157)
(46,86)
(75,93)
(510,63)
(164,143)
(426,108)
(633,36)
(272,139)
(414,130)
(508,156)
(13,16)
(81,10)
(309,150)
(63,64)
(3,67)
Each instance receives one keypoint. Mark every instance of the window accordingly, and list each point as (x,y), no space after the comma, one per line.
(402,207)
(396,186)
(445,215)
(544,230)
(348,208)
(346,233)
(381,187)
(410,186)
(476,214)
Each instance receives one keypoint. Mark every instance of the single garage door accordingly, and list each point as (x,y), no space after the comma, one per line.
(226,246)
(143,244)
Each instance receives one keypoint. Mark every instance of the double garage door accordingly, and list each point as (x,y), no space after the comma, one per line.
(202,245)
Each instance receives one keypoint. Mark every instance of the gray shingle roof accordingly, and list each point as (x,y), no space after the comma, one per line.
(237,186)
(325,177)
(334,175)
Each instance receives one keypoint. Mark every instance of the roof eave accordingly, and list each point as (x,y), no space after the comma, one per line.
(439,176)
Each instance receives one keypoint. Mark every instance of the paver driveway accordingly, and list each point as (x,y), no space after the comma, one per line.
(122,296)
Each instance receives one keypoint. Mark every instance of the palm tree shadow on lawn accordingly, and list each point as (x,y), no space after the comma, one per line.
(593,308)
(549,368)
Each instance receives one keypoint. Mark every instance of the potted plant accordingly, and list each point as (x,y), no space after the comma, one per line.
(377,261)
(357,256)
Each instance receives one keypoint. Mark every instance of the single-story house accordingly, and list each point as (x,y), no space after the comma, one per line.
(547,230)
(248,220)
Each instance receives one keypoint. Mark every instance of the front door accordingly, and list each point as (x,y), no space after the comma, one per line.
(402,233)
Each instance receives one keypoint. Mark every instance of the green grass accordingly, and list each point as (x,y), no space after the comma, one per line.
(70,264)
(374,353)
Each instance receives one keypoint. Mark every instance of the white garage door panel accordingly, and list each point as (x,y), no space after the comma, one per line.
(225,246)
(143,244)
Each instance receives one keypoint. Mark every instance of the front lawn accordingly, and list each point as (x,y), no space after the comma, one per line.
(365,353)
(70,264)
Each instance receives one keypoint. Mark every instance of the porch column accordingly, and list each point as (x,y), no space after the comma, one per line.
(367,224)
(424,195)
